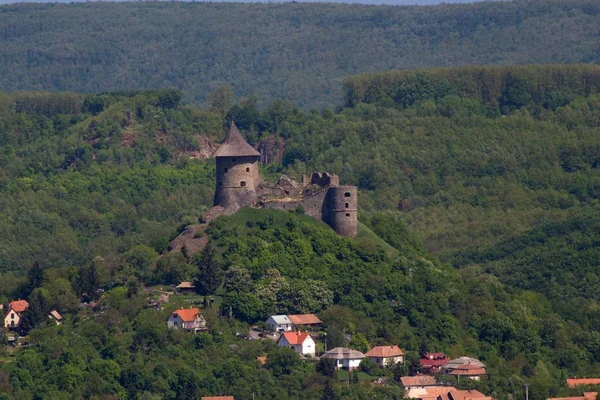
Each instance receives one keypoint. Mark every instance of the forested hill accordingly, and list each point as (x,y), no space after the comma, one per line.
(298,52)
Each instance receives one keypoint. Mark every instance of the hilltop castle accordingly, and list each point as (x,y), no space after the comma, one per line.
(239,185)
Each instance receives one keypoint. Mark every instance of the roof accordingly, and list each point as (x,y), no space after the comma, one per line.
(262,359)
(463,363)
(187,314)
(56,315)
(18,305)
(572,382)
(235,145)
(385,351)
(465,395)
(305,319)
(340,353)
(419,380)
(280,319)
(185,285)
(586,396)
(295,337)
(217,398)
(468,372)
(434,356)
(429,393)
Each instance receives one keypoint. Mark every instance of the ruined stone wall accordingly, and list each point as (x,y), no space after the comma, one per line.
(237,179)
(313,203)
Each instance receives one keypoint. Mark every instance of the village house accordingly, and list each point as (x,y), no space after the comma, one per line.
(574,382)
(465,366)
(304,320)
(55,316)
(386,356)
(15,312)
(586,396)
(428,393)
(418,382)
(217,398)
(301,342)
(279,323)
(463,395)
(431,363)
(189,319)
(345,358)
(186,288)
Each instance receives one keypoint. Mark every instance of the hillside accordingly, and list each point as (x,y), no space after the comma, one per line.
(297,52)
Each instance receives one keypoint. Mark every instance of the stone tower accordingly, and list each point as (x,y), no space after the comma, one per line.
(343,210)
(237,171)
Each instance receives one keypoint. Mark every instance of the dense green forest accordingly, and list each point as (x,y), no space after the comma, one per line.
(297,52)
(485,180)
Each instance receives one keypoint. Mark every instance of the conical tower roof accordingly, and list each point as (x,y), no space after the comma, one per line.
(235,145)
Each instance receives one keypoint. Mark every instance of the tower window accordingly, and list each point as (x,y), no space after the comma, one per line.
(347,194)
(220,183)
(346,204)
(233,159)
(243,183)
(247,169)
(225,170)
(347,214)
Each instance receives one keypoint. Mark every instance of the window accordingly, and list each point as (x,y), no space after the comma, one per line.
(247,169)
(220,183)
(347,194)
(233,159)
(347,214)
(346,205)
(225,170)
(243,183)
(315,206)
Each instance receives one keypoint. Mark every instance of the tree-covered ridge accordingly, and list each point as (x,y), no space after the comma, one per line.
(298,52)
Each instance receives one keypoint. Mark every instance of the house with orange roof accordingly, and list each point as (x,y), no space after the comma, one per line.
(304,320)
(217,398)
(385,356)
(586,396)
(189,319)
(428,393)
(464,395)
(574,382)
(15,312)
(301,342)
(418,381)
(465,366)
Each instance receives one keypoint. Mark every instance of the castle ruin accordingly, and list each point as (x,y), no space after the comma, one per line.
(239,185)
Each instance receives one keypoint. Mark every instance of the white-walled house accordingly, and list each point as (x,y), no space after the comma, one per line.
(300,342)
(15,312)
(345,358)
(280,323)
(189,319)
(386,356)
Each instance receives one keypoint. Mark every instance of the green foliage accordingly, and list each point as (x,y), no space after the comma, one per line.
(224,49)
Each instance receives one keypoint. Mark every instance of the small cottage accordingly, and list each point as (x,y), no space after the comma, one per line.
(189,319)
(186,288)
(431,363)
(386,356)
(465,366)
(344,357)
(15,312)
(279,323)
(305,320)
(301,342)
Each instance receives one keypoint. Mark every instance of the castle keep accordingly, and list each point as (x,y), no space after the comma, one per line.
(320,195)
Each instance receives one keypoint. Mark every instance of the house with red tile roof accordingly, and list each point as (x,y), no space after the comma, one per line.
(586,396)
(464,395)
(431,363)
(465,366)
(301,342)
(15,312)
(217,398)
(189,319)
(428,393)
(418,381)
(304,320)
(574,382)
(386,355)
